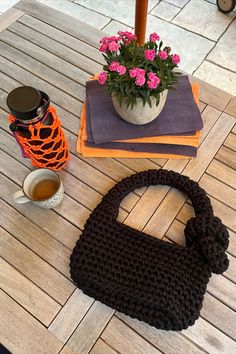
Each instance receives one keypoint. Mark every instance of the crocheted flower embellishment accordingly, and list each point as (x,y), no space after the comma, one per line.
(207,233)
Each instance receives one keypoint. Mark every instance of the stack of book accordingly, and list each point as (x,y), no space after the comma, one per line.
(175,133)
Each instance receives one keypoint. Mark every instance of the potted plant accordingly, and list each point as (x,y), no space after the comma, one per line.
(137,77)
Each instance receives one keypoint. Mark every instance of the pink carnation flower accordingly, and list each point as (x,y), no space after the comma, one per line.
(153,81)
(133,72)
(140,80)
(107,40)
(163,55)
(149,54)
(102,78)
(114,66)
(140,72)
(127,37)
(121,69)
(175,59)
(104,48)
(152,84)
(136,72)
(113,46)
(154,37)
(152,76)
(104,40)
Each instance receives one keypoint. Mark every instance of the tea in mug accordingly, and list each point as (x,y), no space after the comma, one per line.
(44,189)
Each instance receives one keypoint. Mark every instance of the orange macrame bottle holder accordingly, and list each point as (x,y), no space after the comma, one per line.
(46,146)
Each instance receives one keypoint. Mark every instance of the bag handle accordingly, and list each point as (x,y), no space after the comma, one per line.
(204,232)
(197,195)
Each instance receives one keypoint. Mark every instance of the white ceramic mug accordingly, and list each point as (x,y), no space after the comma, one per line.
(41,178)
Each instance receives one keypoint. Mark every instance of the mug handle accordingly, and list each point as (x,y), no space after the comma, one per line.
(20,198)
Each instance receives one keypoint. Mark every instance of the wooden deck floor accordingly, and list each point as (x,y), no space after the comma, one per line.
(41,311)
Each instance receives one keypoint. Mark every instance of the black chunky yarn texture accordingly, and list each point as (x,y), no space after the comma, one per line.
(152,280)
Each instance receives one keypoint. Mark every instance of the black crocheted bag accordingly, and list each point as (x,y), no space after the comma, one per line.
(144,277)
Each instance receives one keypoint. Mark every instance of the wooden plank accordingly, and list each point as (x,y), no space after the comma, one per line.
(63,38)
(231,107)
(86,334)
(139,165)
(27,294)
(227,156)
(219,190)
(26,78)
(210,338)
(159,162)
(231,271)
(175,233)
(230,142)
(101,347)
(122,215)
(84,64)
(212,95)
(35,239)
(110,167)
(225,213)
(209,116)
(71,315)
(123,339)
(214,311)
(194,169)
(72,211)
(63,22)
(66,350)
(8,17)
(94,178)
(129,202)
(34,268)
(147,204)
(167,342)
(232,243)
(23,334)
(7,84)
(41,70)
(100,176)
(222,172)
(202,106)
(223,289)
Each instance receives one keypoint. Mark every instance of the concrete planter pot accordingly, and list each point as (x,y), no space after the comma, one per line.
(140,114)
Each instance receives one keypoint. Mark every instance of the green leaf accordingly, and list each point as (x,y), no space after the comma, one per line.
(149,101)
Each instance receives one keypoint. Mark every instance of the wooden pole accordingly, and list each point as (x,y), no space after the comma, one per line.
(141,20)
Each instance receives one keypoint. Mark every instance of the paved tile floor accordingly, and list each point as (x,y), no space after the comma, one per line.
(204,37)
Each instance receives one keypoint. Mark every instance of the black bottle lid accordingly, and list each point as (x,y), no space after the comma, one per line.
(24,101)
